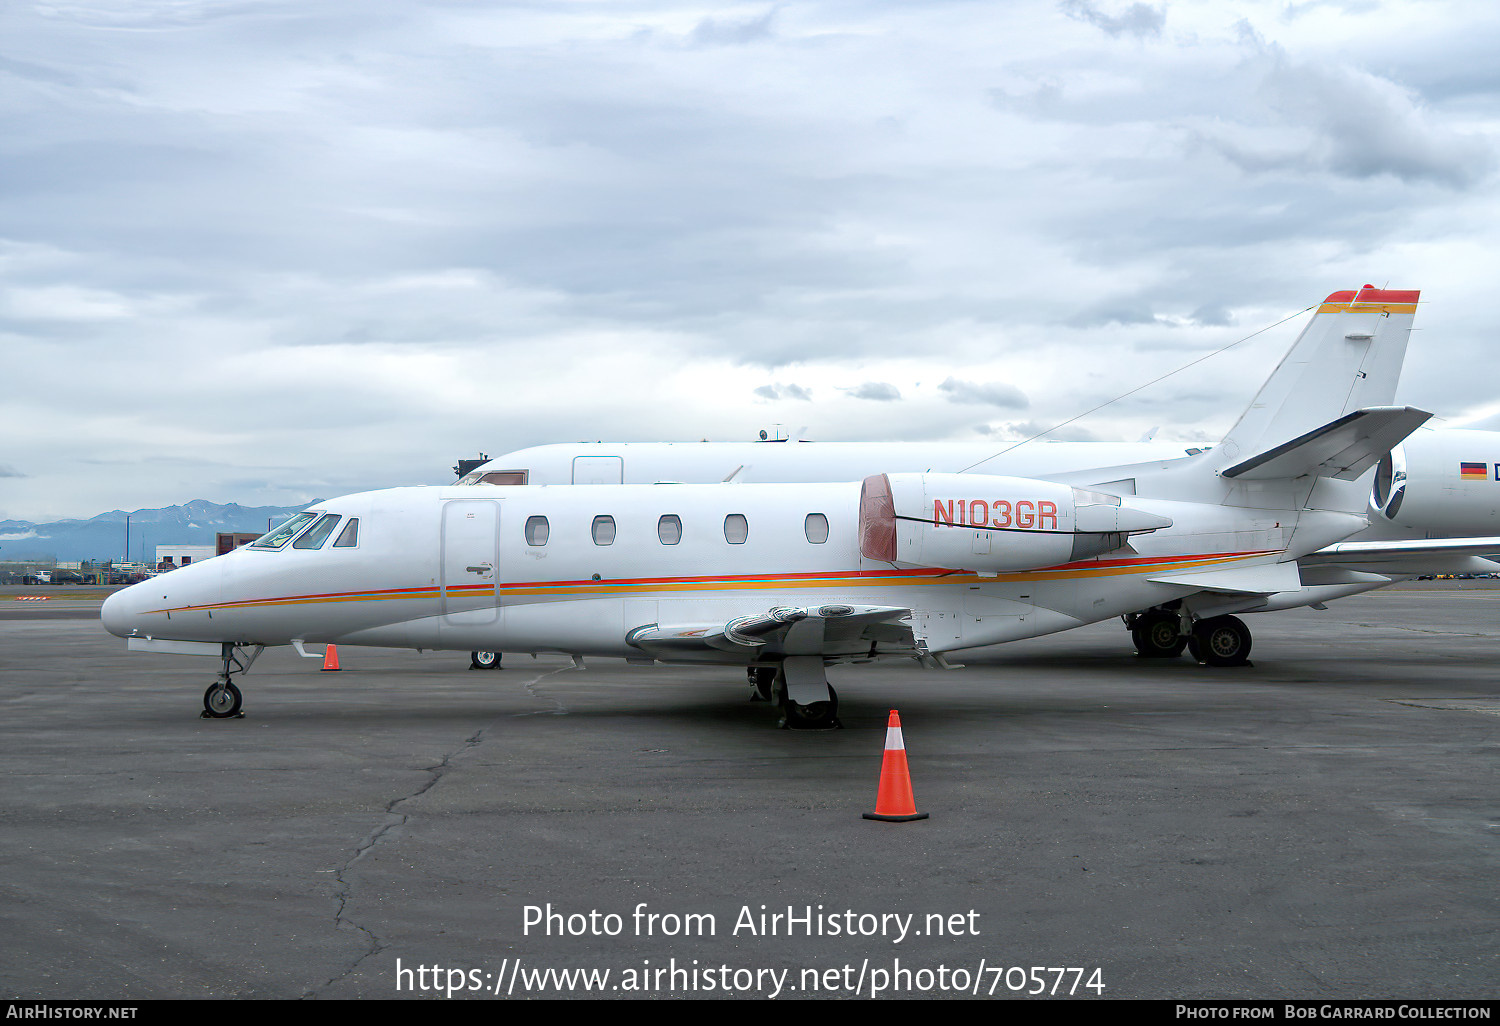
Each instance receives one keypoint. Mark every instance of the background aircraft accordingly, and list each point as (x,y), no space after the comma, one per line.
(1437,484)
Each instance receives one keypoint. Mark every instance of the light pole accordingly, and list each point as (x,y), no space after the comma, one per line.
(127,537)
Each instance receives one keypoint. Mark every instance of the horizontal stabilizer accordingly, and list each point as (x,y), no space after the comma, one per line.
(1407,558)
(1343,449)
(1263,579)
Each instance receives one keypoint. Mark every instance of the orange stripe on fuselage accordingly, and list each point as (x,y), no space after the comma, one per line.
(886,578)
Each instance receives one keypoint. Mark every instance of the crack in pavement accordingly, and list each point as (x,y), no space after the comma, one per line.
(1415,630)
(393,819)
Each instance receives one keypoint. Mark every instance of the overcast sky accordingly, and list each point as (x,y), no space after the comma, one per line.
(270,251)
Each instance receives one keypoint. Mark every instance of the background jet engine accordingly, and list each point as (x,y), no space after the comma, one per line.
(1441,484)
(990,524)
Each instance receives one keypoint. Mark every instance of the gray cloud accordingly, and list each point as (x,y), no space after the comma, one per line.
(784,392)
(993,393)
(1353,124)
(726,32)
(410,234)
(1139,20)
(877,390)
(6,470)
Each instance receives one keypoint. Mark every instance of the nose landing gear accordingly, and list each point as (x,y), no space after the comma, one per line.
(222,700)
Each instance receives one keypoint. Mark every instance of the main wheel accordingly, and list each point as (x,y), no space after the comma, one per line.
(221,700)
(1157,636)
(1221,641)
(813,716)
(761,680)
(484,660)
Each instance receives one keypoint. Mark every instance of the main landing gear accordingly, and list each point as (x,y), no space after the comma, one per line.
(800,691)
(484,660)
(1214,641)
(222,700)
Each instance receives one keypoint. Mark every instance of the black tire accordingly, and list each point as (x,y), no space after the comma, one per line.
(484,660)
(221,701)
(1157,636)
(762,679)
(1221,641)
(813,716)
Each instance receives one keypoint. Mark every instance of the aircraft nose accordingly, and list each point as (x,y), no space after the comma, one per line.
(119,610)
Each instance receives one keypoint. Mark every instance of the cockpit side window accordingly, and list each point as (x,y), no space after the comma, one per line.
(349,536)
(317,534)
(283,534)
(496,477)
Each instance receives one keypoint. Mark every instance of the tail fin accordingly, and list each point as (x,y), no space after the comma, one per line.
(1347,358)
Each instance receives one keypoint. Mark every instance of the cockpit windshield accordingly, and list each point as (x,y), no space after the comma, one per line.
(315,536)
(283,534)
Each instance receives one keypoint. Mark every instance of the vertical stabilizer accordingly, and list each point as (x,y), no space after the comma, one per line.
(1347,358)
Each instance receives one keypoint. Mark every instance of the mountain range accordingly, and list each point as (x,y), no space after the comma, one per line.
(103,537)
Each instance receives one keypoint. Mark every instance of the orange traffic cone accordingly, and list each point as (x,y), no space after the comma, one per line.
(895,803)
(331,658)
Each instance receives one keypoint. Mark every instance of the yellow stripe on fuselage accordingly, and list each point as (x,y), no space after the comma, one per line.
(848,579)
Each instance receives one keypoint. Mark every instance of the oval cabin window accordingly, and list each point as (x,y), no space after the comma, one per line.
(604,530)
(736,529)
(536,530)
(816,527)
(669,529)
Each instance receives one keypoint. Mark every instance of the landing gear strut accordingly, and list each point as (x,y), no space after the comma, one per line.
(762,681)
(222,700)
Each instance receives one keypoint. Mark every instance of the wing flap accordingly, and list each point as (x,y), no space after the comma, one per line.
(827,630)
(1264,579)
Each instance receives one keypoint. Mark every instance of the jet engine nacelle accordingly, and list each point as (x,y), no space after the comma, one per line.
(1441,484)
(990,524)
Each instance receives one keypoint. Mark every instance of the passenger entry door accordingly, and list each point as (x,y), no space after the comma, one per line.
(471,560)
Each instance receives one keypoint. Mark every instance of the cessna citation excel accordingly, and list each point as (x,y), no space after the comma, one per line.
(790,578)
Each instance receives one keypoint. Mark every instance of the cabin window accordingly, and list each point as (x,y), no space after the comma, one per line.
(349,536)
(604,530)
(816,527)
(316,535)
(736,528)
(669,529)
(283,534)
(504,477)
(536,531)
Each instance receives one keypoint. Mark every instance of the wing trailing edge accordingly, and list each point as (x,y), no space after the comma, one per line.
(830,630)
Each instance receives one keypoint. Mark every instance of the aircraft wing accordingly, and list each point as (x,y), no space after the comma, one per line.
(828,630)
(1407,557)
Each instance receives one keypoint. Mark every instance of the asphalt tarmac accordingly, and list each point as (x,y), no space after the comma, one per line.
(1322,824)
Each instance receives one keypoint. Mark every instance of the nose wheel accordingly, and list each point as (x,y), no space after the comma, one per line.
(221,701)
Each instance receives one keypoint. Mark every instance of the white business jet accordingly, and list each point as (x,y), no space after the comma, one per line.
(791,578)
